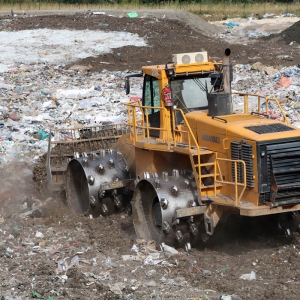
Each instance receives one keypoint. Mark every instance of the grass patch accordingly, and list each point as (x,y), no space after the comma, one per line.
(207,10)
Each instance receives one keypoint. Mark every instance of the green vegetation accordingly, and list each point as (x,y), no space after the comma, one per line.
(225,17)
(208,9)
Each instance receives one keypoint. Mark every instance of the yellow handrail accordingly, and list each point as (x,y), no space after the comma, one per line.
(142,123)
(190,136)
(259,97)
(235,183)
(189,131)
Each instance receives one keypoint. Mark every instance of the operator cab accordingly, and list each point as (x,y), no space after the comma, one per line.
(189,93)
(183,83)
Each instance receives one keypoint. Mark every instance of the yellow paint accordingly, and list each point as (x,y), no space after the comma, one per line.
(206,140)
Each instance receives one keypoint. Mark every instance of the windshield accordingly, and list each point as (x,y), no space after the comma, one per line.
(190,93)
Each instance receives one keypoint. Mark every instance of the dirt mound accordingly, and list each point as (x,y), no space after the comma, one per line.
(291,34)
(165,31)
(188,18)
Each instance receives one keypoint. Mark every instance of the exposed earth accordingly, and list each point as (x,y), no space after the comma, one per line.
(31,263)
(168,32)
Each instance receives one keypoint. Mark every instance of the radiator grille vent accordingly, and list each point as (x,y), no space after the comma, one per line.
(236,154)
(247,158)
(242,152)
(270,128)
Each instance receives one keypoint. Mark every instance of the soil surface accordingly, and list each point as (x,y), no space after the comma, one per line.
(40,236)
(168,32)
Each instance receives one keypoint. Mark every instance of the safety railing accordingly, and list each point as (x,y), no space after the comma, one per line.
(140,126)
(239,187)
(259,103)
(191,143)
(140,129)
(179,132)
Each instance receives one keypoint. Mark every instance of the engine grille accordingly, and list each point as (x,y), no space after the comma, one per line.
(280,169)
(242,152)
(270,128)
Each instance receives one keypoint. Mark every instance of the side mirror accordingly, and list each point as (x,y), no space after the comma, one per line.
(127,82)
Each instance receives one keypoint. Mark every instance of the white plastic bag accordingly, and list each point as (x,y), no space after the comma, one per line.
(250,276)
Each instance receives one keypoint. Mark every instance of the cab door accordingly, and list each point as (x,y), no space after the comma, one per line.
(151,97)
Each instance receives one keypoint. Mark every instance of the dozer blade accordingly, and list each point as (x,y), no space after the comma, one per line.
(73,142)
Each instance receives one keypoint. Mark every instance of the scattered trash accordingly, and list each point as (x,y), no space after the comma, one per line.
(39,234)
(150,273)
(131,257)
(135,248)
(63,264)
(132,14)
(36,295)
(98,13)
(43,134)
(111,263)
(283,82)
(231,24)
(225,297)
(153,259)
(250,276)
(167,249)
(37,96)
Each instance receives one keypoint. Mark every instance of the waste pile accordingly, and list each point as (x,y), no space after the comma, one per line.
(36,98)
(269,82)
(47,253)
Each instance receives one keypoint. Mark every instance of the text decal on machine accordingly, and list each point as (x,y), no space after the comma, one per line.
(211,138)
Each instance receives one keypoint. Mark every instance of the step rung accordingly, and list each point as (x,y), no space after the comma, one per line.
(218,185)
(204,165)
(202,152)
(209,175)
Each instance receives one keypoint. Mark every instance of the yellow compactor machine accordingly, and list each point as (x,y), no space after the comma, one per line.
(190,159)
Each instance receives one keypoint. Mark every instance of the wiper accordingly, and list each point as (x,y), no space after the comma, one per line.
(201,85)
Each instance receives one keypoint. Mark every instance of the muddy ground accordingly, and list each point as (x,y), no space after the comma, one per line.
(40,237)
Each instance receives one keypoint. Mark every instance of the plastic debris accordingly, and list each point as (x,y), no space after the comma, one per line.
(283,82)
(225,297)
(98,13)
(132,14)
(39,234)
(47,95)
(232,24)
(250,276)
(167,249)
(111,263)
(135,248)
(153,259)
(36,295)
(43,134)
(131,257)
(63,264)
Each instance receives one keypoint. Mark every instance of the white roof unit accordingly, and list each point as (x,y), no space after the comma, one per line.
(190,58)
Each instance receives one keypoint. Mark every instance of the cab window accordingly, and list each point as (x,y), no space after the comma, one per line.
(151,93)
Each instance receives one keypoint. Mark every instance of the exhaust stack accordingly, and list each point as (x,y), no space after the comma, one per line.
(226,71)
(219,101)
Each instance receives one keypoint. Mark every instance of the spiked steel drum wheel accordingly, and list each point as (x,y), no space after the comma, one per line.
(154,204)
(95,183)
